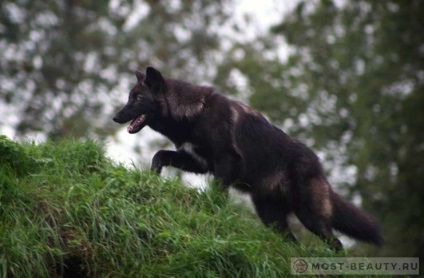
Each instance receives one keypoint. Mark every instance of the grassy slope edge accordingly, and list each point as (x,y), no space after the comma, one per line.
(66,209)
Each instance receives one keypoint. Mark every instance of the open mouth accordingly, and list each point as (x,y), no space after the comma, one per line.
(137,124)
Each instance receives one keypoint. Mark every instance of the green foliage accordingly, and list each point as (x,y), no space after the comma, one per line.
(65,209)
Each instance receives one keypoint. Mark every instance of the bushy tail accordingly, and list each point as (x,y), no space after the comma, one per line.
(355,223)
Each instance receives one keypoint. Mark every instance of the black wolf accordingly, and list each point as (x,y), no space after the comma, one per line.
(213,134)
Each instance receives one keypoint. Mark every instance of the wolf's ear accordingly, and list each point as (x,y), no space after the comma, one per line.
(140,76)
(154,80)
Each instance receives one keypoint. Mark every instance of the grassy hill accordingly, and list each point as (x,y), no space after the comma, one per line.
(66,210)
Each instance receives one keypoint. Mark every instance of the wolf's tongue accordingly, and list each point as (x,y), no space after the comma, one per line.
(136,123)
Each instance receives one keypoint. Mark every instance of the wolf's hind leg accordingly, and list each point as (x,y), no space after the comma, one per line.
(313,206)
(320,226)
(178,160)
(273,213)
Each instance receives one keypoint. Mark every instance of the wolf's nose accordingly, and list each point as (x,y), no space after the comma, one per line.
(116,119)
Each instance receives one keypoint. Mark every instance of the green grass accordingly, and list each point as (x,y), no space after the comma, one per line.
(65,208)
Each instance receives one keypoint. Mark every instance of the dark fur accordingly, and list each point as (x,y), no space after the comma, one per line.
(236,144)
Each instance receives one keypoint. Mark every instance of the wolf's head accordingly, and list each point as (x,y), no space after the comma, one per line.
(142,101)
(155,99)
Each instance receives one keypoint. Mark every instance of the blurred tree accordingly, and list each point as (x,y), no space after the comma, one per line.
(61,58)
(354,82)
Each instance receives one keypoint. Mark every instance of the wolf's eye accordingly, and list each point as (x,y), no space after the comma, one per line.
(139,97)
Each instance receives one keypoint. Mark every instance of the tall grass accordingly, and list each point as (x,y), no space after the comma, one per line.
(67,210)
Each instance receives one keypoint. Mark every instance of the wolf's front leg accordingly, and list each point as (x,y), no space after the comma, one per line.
(178,160)
(227,169)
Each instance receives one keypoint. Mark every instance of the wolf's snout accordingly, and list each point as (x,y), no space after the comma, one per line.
(117,119)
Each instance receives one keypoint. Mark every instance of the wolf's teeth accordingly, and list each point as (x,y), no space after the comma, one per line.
(139,119)
(136,122)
